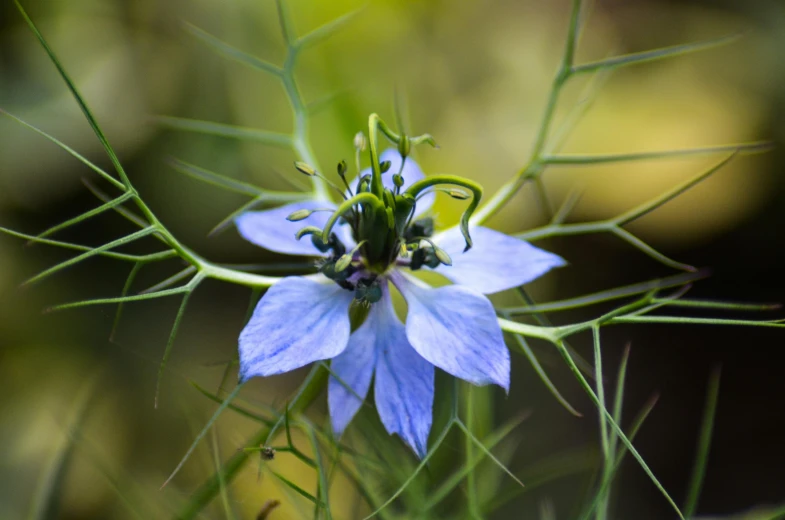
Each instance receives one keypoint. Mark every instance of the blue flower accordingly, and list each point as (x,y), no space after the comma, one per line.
(305,319)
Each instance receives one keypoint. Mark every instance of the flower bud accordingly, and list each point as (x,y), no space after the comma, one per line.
(384,166)
(305,168)
(398,180)
(458,194)
(404,146)
(300,214)
(342,168)
(359,141)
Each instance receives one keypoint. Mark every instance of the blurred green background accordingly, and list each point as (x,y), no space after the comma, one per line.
(475,74)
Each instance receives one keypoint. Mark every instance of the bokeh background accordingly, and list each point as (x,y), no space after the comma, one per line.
(475,74)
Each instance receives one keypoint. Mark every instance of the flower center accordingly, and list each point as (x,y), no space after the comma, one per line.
(382,218)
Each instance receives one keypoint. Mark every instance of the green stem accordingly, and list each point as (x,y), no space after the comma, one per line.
(374,125)
(346,207)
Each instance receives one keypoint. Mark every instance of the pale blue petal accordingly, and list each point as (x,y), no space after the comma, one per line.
(354,367)
(455,328)
(404,380)
(411,174)
(496,262)
(297,322)
(270,229)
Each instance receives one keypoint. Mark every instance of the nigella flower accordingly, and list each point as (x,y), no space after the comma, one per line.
(305,319)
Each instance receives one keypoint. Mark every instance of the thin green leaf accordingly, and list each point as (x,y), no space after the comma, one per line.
(577,112)
(524,345)
(86,215)
(704,444)
(242,411)
(215,179)
(227,131)
(119,299)
(320,34)
(573,33)
(169,344)
(92,252)
(286,23)
(541,194)
(487,452)
(611,294)
(579,159)
(600,383)
(697,321)
(77,247)
(231,52)
(123,211)
(185,273)
(447,485)
(587,387)
(228,513)
(547,510)
(49,487)
(297,488)
(324,485)
(646,249)
(126,288)
(119,185)
(710,304)
(566,207)
(204,431)
(604,489)
(653,55)
(319,104)
(671,194)
(618,398)
(423,463)
(80,101)
(229,219)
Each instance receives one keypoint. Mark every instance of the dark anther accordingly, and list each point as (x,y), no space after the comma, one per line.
(319,244)
(419,228)
(334,244)
(339,277)
(424,256)
(368,290)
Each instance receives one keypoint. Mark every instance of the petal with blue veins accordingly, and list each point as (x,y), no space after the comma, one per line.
(354,370)
(496,262)
(297,322)
(404,380)
(456,329)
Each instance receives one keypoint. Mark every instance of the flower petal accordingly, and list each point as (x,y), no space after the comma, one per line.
(455,328)
(297,322)
(496,262)
(354,367)
(270,229)
(404,380)
(411,173)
